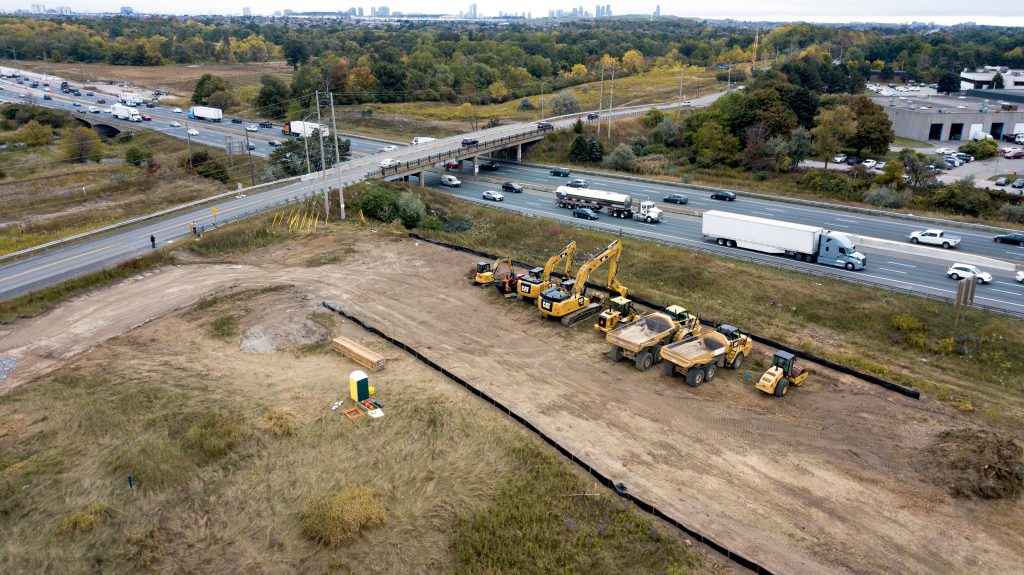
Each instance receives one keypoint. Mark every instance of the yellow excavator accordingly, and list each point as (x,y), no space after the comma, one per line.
(539,279)
(781,375)
(569,301)
(485,271)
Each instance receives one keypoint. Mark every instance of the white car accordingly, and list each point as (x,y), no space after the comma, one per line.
(839,159)
(880,165)
(107,111)
(388,149)
(1020,276)
(934,238)
(176,110)
(944,151)
(869,163)
(175,125)
(493,196)
(957,271)
(193,132)
(94,110)
(252,128)
(389,163)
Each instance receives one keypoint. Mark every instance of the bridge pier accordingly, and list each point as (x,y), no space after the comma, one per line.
(423,178)
(519,153)
(476,165)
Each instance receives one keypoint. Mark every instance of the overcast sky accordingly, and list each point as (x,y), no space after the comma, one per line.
(998,12)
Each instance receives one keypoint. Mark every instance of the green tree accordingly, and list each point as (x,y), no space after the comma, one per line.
(981,149)
(135,156)
(80,144)
(411,209)
(497,91)
(799,145)
(892,175)
(577,126)
(272,99)
(596,149)
(653,117)
(379,204)
(997,82)
(296,49)
(714,144)
(564,103)
(915,166)
(223,99)
(289,159)
(621,158)
(34,134)
(207,85)
(962,197)
(832,128)
(579,150)
(949,82)
(874,130)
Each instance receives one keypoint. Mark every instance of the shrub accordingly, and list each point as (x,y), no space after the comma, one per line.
(621,158)
(906,323)
(280,422)
(84,519)
(341,517)
(431,223)
(981,149)
(210,436)
(886,197)
(224,327)
(411,209)
(1013,213)
(831,184)
(564,103)
(525,104)
(653,117)
(136,156)
(379,204)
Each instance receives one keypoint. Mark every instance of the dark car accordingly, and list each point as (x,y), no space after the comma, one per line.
(77,93)
(470,141)
(560,172)
(47,97)
(88,94)
(252,146)
(150,105)
(146,118)
(585,213)
(676,199)
(512,187)
(577,183)
(592,116)
(236,120)
(266,124)
(545,126)
(1015,238)
(723,195)
(273,143)
(490,166)
(1018,183)
(853,161)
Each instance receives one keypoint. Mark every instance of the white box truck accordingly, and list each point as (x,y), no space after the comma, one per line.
(614,203)
(805,243)
(303,129)
(205,113)
(130,98)
(122,112)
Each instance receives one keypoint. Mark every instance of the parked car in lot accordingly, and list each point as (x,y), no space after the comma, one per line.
(490,166)
(1015,155)
(1015,238)
(545,126)
(964,157)
(470,142)
(955,161)
(1002,181)
(839,159)
(274,143)
(252,146)
(1018,183)
(676,199)
(592,116)
(585,213)
(869,163)
(723,195)
(957,271)
(252,128)
(560,172)
(236,120)
(493,196)
(944,151)
(853,160)
(453,164)
(175,125)
(880,165)
(512,187)
(577,183)
(389,163)
(193,132)
(934,238)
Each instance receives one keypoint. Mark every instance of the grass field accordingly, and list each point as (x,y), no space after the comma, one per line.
(976,367)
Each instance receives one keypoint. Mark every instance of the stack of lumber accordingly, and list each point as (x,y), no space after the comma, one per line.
(361,355)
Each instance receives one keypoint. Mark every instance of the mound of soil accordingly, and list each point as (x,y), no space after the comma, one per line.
(977,463)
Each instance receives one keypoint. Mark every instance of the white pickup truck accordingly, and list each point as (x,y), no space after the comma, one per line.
(934,238)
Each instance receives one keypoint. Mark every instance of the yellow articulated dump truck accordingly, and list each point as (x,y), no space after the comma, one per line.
(642,340)
(698,358)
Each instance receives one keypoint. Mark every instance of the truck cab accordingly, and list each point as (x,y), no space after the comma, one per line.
(648,212)
(836,249)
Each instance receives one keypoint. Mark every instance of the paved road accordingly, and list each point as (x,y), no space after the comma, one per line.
(918,269)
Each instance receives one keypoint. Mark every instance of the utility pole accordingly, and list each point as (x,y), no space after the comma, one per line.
(682,75)
(600,102)
(323,158)
(188,147)
(248,152)
(611,98)
(305,146)
(542,100)
(337,160)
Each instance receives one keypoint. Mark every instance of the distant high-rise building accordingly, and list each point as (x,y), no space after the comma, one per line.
(288,12)
(247,12)
(360,10)
(38,8)
(127,11)
(607,10)
(472,11)
(383,11)
(64,11)
(657,11)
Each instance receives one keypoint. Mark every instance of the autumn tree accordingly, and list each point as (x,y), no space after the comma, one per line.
(833,127)
(272,99)
(80,145)
(497,91)
(633,61)
(34,134)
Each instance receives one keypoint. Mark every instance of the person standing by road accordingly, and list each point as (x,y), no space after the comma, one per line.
(152,240)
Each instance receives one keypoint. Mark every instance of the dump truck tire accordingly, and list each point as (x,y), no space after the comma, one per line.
(644,360)
(656,352)
(695,377)
(737,362)
(615,353)
(670,368)
(782,387)
(710,372)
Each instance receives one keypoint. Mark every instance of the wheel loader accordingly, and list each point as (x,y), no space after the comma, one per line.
(620,310)
(782,374)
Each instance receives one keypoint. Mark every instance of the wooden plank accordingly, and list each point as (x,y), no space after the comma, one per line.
(358,353)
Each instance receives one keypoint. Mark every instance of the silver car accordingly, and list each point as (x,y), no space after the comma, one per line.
(493,196)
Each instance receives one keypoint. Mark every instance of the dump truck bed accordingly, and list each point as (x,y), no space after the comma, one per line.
(701,350)
(641,333)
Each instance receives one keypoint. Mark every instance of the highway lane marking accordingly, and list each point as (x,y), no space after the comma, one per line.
(774,210)
(761,213)
(1004,291)
(51,264)
(841,225)
(893,271)
(847,221)
(899,264)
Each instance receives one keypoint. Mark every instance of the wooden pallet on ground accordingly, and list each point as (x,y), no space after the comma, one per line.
(359,353)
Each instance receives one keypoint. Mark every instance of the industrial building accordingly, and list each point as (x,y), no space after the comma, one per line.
(927,116)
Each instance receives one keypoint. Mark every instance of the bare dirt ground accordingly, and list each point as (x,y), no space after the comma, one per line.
(827,480)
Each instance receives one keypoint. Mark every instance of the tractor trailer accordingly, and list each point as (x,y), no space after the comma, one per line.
(205,113)
(122,112)
(614,203)
(805,243)
(130,98)
(303,129)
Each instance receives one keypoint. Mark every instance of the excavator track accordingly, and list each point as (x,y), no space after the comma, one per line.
(581,314)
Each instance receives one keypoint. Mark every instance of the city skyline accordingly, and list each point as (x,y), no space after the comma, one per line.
(881,11)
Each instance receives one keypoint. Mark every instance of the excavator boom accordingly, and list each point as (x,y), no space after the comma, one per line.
(571,303)
(566,254)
